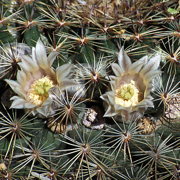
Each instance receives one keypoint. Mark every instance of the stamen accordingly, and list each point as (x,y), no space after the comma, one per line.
(127,95)
(38,92)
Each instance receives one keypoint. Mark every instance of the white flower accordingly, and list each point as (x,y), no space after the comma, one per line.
(37,77)
(131,85)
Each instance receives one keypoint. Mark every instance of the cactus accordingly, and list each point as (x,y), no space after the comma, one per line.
(89,90)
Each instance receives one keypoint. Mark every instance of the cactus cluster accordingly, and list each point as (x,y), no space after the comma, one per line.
(90,89)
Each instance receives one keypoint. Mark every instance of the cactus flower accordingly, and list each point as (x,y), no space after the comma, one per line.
(36,77)
(131,85)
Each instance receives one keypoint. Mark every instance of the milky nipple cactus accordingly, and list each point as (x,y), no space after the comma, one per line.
(89,90)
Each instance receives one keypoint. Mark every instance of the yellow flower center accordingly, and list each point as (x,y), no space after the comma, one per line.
(127,95)
(126,92)
(38,92)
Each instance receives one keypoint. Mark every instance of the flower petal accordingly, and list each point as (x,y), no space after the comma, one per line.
(105,96)
(155,61)
(119,108)
(63,71)
(52,56)
(110,112)
(116,69)
(112,78)
(15,86)
(67,84)
(41,56)
(27,64)
(152,64)
(110,96)
(151,74)
(20,103)
(44,110)
(137,66)
(123,60)
(21,77)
